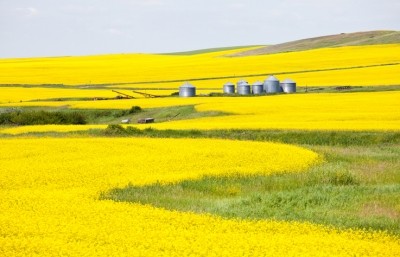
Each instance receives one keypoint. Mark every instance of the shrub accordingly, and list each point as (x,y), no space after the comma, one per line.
(115,130)
(135,109)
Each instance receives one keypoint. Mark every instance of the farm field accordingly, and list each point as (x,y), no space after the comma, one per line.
(316,173)
(11,95)
(377,111)
(51,201)
(84,194)
(374,65)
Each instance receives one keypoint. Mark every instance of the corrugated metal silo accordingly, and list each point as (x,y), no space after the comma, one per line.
(288,86)
(229,88)
(187,90)
(243,87)
(257,88)
(271,85)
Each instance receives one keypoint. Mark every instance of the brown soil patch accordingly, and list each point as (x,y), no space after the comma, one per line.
(376,209)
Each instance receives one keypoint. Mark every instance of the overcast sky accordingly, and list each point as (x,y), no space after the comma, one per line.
(84,27)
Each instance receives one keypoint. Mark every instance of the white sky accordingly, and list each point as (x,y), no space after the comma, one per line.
(84,27)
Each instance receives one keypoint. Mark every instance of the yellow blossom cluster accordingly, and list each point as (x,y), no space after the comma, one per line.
(370,63)
(50,187)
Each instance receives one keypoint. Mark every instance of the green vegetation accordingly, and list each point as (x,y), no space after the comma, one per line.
(41,117)
(159,114)
(298,137)
(357,186)
(64,115)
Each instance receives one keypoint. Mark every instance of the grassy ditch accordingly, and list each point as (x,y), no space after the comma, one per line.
(357,187)
(299,137)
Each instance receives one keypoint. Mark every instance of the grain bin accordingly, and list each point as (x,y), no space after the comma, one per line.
(271,85)
(187,90)
(288,86)
(229,88)
(243,87)
(257,88)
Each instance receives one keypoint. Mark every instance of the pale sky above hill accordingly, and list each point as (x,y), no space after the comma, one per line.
(84,27)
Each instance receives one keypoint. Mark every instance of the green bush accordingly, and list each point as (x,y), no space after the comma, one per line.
(135,109)
(114,130)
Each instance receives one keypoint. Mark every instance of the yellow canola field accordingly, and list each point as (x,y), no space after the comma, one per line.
(125,68)
(371,76)
(355,111)
(19,94)
(334,111)
(22,94)
(50,188)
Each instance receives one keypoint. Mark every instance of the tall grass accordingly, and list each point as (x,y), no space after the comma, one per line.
(67,116)
(41,118)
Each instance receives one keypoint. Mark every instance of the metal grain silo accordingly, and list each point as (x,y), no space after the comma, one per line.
(243,88)
(271,85)
(229,88)
(187,90)
(288,86)
(257,88)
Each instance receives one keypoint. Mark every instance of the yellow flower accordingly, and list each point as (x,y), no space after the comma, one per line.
(127,68)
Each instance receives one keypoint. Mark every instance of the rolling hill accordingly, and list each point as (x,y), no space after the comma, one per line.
(343,39)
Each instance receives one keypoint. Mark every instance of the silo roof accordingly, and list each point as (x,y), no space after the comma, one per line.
(187,84)
(258,83)
(289,81)
(242,82)
(272,78)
